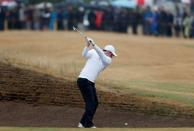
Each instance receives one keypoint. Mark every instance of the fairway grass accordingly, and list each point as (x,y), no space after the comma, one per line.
(179,93)
(189,46)
(97,129)
(154,68)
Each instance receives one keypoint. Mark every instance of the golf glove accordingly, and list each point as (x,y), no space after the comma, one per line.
(90,41)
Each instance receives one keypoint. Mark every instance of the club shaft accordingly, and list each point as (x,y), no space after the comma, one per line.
(81,33)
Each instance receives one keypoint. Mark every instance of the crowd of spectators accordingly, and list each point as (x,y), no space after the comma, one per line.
(157,21)
(161,22)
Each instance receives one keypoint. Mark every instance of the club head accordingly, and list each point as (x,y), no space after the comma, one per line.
(74,28)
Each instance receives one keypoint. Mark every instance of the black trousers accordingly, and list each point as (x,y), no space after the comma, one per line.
(89,95)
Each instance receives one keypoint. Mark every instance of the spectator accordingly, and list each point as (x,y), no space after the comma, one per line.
(2,19)
(37,19)
(177,22)
(22,18)
(147,21)
(98,22)
(135,20)
(183,17)
(71,18)
(124,21)
(116,22)
(10,19)
(159,22)
(192,28)
(92,20)
(162,21)
(108,19)
(46,15)
(169,22)
(65,18)
(154,24)
(16,17)
(80,17)
(187,25)
(53,17)
(60,25)
(29,17)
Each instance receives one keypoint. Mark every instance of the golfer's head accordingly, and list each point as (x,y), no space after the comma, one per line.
(109,50)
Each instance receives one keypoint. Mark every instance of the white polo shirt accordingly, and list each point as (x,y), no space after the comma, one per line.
(97,61)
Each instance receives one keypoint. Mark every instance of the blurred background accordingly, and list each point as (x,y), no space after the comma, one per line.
(40,59)
(165,18)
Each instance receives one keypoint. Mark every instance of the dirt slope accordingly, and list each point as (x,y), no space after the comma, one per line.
(38,88)
(19,87)
(28,115)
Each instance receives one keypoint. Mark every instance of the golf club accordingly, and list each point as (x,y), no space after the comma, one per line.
(81,33)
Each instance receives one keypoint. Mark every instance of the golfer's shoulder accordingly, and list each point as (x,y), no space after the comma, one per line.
(92,51)
(106,60)
(109,60)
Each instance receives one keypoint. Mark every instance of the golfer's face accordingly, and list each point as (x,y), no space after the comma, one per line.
(108,53)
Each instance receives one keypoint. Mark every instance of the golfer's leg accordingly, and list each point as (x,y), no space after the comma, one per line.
(82,83)
(88,96)
(89,108)
(91,105)
(95,99)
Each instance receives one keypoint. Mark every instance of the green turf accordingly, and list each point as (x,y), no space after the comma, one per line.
(189,46)
(98,129)
(167,96)
(166,86)
(180,92)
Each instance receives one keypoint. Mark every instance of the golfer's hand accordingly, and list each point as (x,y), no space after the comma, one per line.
(89,41)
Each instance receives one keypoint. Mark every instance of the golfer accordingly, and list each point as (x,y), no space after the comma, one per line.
(97,61)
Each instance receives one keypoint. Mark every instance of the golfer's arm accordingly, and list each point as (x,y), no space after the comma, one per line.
(86,53)
(105,59)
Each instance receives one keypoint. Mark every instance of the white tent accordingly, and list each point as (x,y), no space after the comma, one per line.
(131,3)
(124,3)
(100,3)
(44,5)
(186,1)
(9,4)
(149,2)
